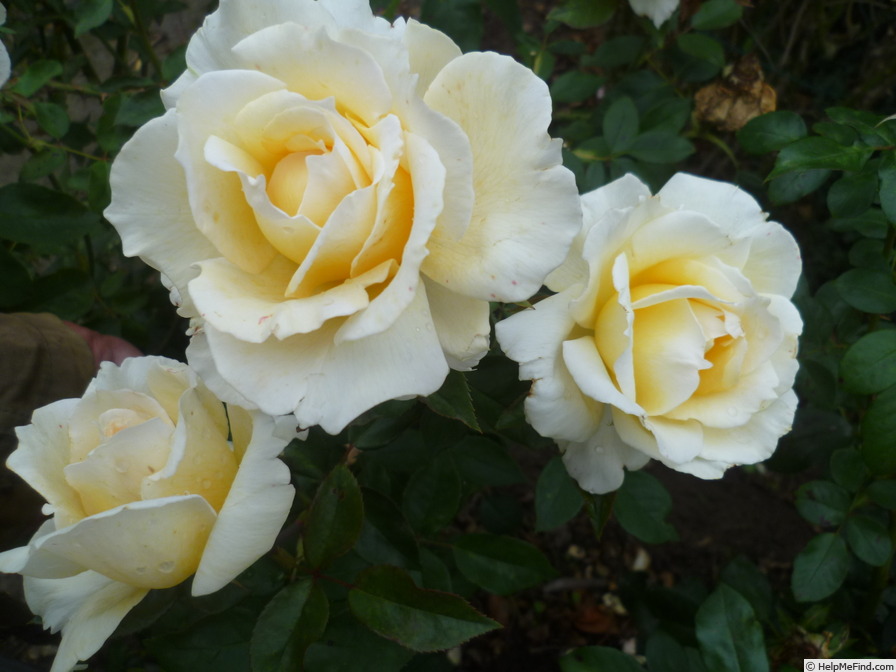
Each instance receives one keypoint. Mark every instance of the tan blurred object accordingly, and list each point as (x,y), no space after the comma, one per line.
(41,360)
(729,103)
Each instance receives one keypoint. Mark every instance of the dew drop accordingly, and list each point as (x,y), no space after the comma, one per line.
(166,567)
(206,484)
(121,467)
(140,570)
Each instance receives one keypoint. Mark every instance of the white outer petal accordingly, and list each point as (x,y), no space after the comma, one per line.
(462,325)
(41,456)
(153,216)
(657,11)
(526,210)
(305,373)
(253,513)
(555,406)
(598,464)
(87,608)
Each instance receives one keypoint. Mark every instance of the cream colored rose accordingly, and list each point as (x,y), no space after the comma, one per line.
(672,336)
(657,11)
(145,490)
(335,200)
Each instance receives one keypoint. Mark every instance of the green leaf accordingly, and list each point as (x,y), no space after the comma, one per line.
(852,194)
(822,503)
(583,13)
(716,14)
(660,147)
(461,19)
(883,493)
(870,290)
(52,118)
(730,637)
(620,124)
(218,643)
(387,601)
(869,365)
(139,108)
(751,583)
(14,279)
(869,539)
(816,152)
(820,568)
(793,186)
(771,132)
(42,163)
(665,654)
(386,537)
(616,51)
(575,86)
(598,659)
(703,48)
(294,619)
(432,495)
(334,518)
(36,75)
(348,646)
(91,13)
(557,498)
(40,216)
(98,191)
(482,462)
(499,564)
(642,504)
(453,400)
(848,468)
(877,430)
(887,175)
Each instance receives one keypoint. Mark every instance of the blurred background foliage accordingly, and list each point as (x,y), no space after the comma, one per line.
(788,560)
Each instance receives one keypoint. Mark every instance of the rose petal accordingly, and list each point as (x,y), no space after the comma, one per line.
(153,216)
(87,607)
(150,544)
(429,51)
(220,211)
(253,513)
(754,441)
(598,464)
(526,211)
(555,406)
(591,376)
(310,62)
(603,211)
(252,307)
(462,325)
(111,474)
(307,372)
(200,462)
(41,455)
(428,177)
(657,11)
(100,414)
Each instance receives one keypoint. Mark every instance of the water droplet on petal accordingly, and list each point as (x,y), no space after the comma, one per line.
(206,484)
(140,570)
(121,467)
(166,567)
